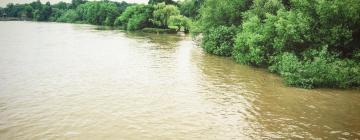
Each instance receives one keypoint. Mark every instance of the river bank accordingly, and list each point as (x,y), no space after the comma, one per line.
(14,19)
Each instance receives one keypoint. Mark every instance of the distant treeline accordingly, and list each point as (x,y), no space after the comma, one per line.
(157,14)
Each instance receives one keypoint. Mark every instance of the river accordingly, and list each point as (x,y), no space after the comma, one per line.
(69,81)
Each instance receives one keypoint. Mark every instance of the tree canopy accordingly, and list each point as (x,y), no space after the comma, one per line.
(162,13)
(154,2)
(311,43)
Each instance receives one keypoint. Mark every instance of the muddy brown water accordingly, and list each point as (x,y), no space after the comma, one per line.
(68,81)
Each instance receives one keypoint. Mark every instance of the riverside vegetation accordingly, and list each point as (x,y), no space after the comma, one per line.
(310,43)
(157,14)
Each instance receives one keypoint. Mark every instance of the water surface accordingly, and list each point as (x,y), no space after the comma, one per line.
(67,81)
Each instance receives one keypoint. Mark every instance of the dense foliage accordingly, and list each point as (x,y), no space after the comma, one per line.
(318,69)
(311,43)
(69,16)
(162,13)
(219,40)
(98,13)
(154,2)
(158,14)
(229,12)
(180,21)
(135,17)
(190,8)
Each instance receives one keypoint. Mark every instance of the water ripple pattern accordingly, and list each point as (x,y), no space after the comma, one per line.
(66,81)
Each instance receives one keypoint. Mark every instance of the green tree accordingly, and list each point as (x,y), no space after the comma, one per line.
(69,16)
(61,5)
(162,13)
(76,3)
(136,17)
(44,13)
(219,40)
(56,13)
(154,2)
(2,11)
(97,12)
(190,8)
(215,13)
(28,11)
(180,21)
(36,5)
(121,6)
(47,10)
(13,10)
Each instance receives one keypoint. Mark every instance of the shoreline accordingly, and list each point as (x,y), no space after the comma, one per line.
(14,19)
(103,27)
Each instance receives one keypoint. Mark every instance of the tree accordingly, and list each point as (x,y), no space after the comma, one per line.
(47,10)
(121,6)
(28,11)
(219,40)
(61,5)
(69,16)
(180,21)
(12,10)
(254,45)
(162,14)
(76,3)
(136,17)
(228,12)
(2,11)
(44,13)
(154,2)
(97,12)
(56,13)
(36,5)
(190,8)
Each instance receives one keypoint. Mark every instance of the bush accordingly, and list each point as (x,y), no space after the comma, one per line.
(216,13)
(162,13)
(118,22)
(318,69)
(219,40)
(98,12)
(70,16)
(252,44)
(137,22)
(136,17)
(57,13)
(180,21)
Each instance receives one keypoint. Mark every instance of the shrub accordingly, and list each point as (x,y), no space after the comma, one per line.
(317,69)
(70,16)
(137,22)
(219,40)
(216,13)
(118,22)
(97,12)
(252,43)
(162,13)
(136,17)
(180,21)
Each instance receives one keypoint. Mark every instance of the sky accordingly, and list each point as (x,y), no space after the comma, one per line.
(3,3)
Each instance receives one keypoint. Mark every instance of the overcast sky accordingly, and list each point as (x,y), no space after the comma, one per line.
(4,2)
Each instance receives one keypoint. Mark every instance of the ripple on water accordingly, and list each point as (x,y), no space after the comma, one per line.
(65,81)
